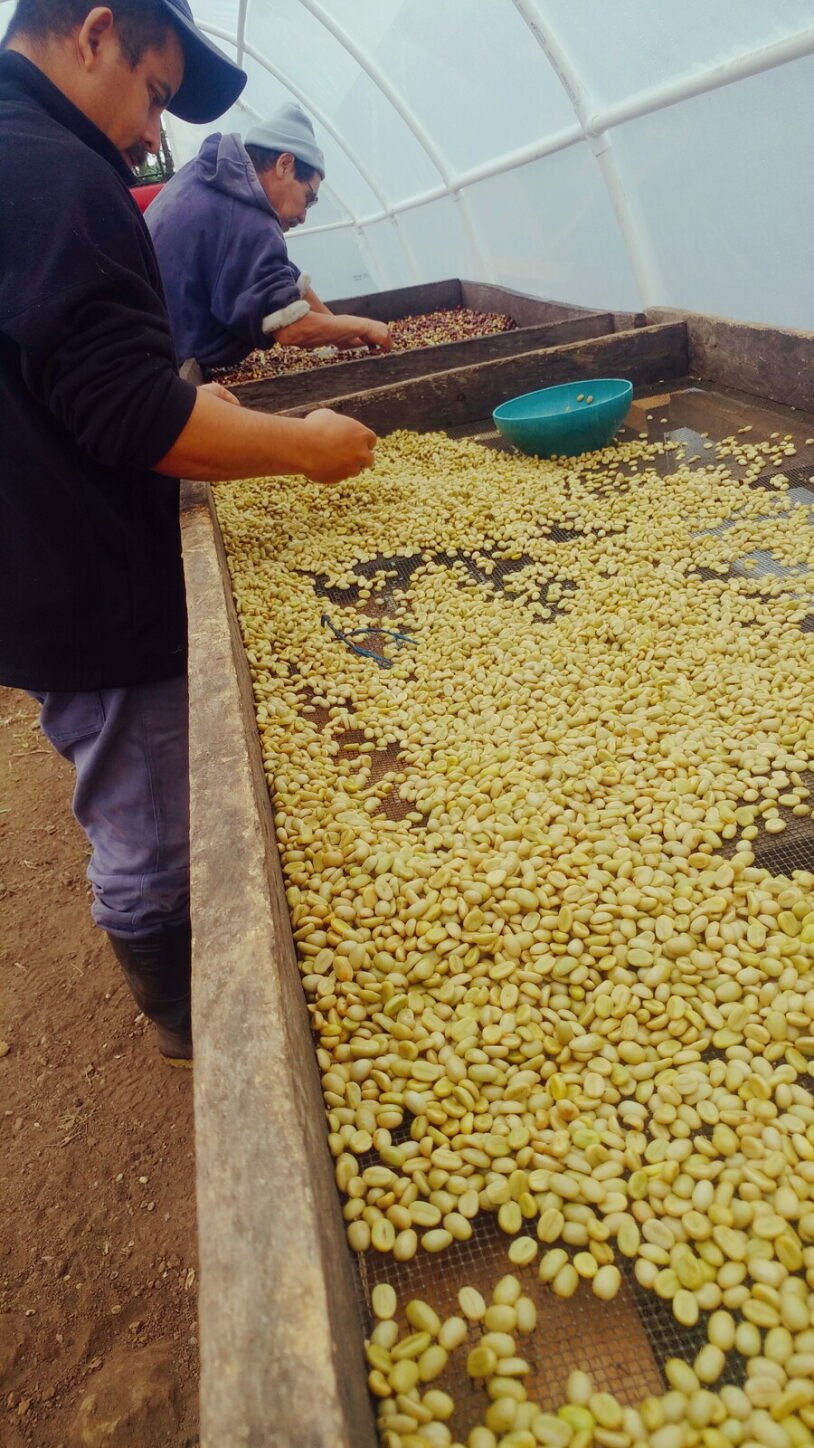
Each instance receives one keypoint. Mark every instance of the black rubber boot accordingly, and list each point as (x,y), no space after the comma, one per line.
(158,971)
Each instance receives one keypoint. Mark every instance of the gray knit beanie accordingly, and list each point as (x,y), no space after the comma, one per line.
(289,129)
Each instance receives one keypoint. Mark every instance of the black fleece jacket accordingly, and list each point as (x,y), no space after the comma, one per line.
(91,580)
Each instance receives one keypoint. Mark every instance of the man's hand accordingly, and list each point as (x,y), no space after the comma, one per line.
(375,334)
(219,391)
(337,447)
(221,442)
(322,329)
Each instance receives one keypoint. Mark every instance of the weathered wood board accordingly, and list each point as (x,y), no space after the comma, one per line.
(772,362)
(448,399)
(281,1343)
(341,377)
(411,301)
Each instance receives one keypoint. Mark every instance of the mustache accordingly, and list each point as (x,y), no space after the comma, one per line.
(135,156)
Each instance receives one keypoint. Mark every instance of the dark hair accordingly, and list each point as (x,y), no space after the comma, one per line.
(263,160)
(140,24)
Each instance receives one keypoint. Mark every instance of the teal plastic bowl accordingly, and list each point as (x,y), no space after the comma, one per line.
(575,417)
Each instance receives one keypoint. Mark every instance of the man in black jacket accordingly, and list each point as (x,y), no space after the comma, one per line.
(96,427)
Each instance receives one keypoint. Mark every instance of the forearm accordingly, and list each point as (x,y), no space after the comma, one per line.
(319,329)
(315,304)
(221,442)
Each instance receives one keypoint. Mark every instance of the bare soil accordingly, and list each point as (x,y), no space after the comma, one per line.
(98,1332)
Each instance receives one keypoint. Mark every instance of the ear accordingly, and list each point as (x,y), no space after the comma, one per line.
(95,32)
(285,164)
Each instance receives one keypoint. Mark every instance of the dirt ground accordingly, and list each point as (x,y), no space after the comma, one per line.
(98,1333)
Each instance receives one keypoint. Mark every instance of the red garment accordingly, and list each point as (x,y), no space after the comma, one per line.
(143,195)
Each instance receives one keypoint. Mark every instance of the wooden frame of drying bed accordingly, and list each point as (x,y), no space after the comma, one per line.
(281,1344)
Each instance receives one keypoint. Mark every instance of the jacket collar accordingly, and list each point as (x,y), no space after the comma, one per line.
(29,78)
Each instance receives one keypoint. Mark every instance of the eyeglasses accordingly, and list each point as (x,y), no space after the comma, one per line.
(311,197)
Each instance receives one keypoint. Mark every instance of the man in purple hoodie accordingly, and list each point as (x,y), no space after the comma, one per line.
(218,228)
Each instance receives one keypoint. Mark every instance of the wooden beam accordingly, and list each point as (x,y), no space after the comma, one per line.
(402,301)
(772,362)
(340,378)
(526,311)
(625,321)
(272,1247)
(638,415)
(449,399)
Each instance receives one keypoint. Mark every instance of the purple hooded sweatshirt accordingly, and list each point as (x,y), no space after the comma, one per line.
(222,254)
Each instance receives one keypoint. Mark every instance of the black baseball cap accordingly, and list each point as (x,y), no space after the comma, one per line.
(212,82)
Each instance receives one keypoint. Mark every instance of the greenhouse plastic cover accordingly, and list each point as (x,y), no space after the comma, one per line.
(612,153)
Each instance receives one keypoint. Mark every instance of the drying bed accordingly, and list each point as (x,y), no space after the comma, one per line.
(432,329)
(403,573)
(437,322)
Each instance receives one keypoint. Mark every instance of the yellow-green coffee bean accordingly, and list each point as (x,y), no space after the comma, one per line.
(607,1282)
(431,1363)
(709,1364)
(383,1300)
(566,1281)
(500,1318)
(452,1333)
(471,1304)
(551,1263)
(481,1362)
(422,1317)
(507,1290)
(523,1251)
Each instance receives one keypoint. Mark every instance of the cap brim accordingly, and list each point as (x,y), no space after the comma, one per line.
(211,84)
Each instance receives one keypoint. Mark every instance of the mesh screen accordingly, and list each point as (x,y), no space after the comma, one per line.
(623,1344)
(620,1343)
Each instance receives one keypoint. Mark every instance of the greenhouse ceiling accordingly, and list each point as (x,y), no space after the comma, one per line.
(614,153)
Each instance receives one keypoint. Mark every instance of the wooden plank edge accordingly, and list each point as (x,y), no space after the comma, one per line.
(315,387)
(776,363)
(628,321)
(277,1308)
(445,399)
(387,305)
(525,309)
